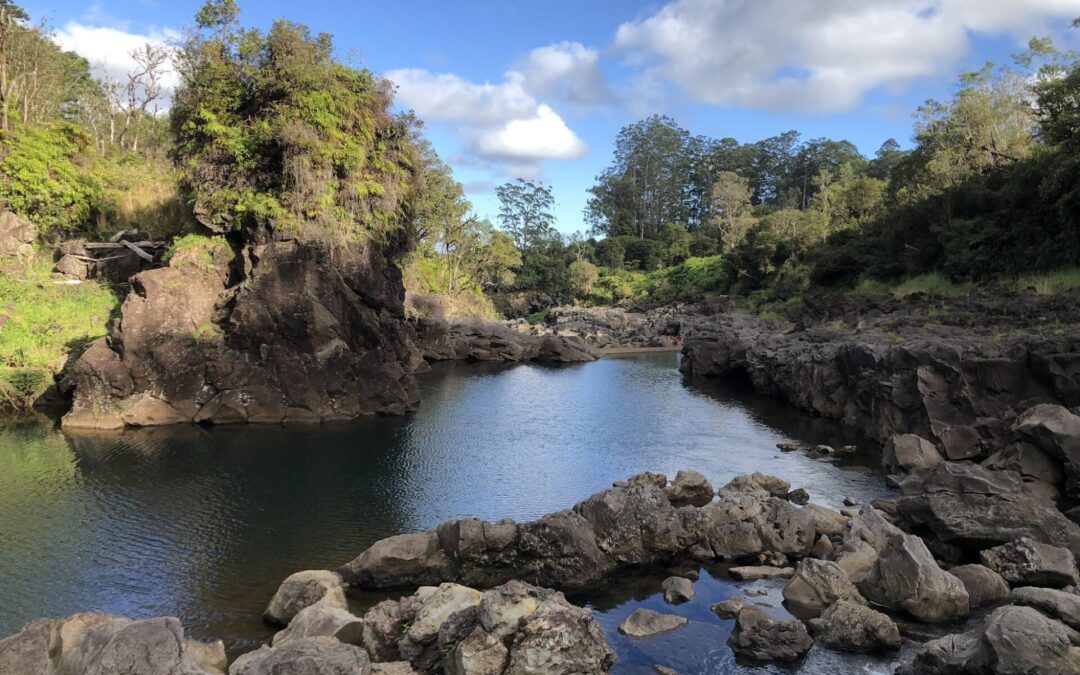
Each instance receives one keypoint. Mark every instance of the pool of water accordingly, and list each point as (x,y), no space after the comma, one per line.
(203,523)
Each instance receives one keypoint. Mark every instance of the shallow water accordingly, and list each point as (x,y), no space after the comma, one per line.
(203,523)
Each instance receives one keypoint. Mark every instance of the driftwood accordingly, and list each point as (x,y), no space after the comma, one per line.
(110,245)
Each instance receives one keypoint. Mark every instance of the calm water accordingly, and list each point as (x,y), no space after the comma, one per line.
(204,523)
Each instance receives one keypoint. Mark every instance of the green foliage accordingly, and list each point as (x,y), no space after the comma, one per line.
(42,323)
(271,133)
(693,279)
(47,176)
(583,274)
(199,252)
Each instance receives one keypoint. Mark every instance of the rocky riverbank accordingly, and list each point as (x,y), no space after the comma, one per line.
(616,328)
(862,580)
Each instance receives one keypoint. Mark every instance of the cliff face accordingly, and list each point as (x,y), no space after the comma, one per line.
(956,372)
(280,331)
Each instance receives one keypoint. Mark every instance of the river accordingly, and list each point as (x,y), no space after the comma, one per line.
(203,523)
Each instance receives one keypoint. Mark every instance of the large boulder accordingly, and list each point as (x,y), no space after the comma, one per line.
(99,644)
(314,655)
(758,637)
(677,590)
(401,560)
(323,619)
(904,452)
(17,236)
(1014,641)
(304,589)
(559,639)
(1027,562)
(634,524)
(972,507)
(906,577)
(984,586)
(1061,605)
(817,584)
(851,626)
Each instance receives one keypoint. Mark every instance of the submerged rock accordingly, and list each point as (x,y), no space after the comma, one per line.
(646,622)
(99,644)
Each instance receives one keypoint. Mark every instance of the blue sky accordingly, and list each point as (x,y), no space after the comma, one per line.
(539,89)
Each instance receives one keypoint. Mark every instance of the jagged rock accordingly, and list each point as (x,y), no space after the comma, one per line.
(817,584)
(755,482)
(690,488)
(322,655)
(758,637)
(905,452)
(799,496)
(785,528)
(1061,605)
(1015,641)
(304,589)
(969,506)
(99,644)
(385,624)
(478,654)
(677,590)
(872,527)
(311,332)
(906,577)
(823,549)
(983,585)
(616,327)
(17,236)
(730,608)
(560,639)
(1030,563)
(480,340)
(1028,461)
(857,559)
(851,626)
(761,572)
(646,622)
(323,619)
(418,645)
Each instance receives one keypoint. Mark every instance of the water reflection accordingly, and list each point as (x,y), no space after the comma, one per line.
(204,523)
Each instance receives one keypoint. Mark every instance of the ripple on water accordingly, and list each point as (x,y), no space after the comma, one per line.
(204,523)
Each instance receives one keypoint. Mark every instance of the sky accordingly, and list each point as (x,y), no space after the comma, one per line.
(538,89)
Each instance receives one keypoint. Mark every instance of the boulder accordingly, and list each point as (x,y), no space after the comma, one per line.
(757,483)
(1061,605)
(17,236)
(799,497)
(969,506)
(323,619)
(99,644)
(984,586)
(560,639)
(633,524)
(401,560)
(851,626)
(677,590)
(1014,641)
(826,521)
(322,655)
(904,452)
(870,526)
(823,549)
(478,654)
(730,608)
(906,577)
(1029,563)
(304,589)
(690,488)
(393,668)
(785,528)
(758,637)
(646,622)
(817,584)
(418,645)
(385,624)
(1031,463)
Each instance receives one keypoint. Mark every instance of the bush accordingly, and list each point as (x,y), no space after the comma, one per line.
(48,177)
(583,274)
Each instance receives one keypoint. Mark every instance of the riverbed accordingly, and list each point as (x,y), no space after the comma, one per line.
(203,523)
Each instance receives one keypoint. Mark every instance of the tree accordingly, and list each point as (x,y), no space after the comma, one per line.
(583,274)
(273,135)
(731,208)
(139,97)
(525,213)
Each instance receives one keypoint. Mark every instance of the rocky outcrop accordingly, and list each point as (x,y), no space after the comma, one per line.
(971,507)
(954,372)
(479,340)
(634,523)
(278,332)
(99,644)
(1013,640)
(614,328)
(17,236)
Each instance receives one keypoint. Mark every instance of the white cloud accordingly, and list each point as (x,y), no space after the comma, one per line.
(110,48)
(543,136)
(569,70)
(820,55)
(501,122)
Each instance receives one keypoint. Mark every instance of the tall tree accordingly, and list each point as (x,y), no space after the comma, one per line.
(525,213)
(731,208)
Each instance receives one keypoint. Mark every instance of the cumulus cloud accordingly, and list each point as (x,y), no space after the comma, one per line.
(110,48)
(820,55)
(501,121)
(568,70)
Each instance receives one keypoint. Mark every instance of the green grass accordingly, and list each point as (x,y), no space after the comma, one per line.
(1049,283)
(41,322)
(930,284)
